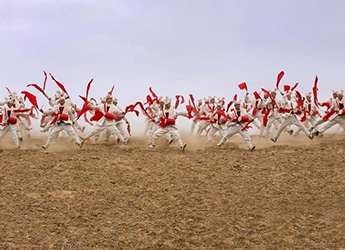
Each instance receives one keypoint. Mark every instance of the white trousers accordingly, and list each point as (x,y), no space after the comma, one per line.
(153,128)
(272,120)
(214,129)
(237,129)
(203,124)
(290,120)
(111,128)
(172,129)
(54,131)
(13,130)
(119,125)
(337,120)
(194,122)
(307,123)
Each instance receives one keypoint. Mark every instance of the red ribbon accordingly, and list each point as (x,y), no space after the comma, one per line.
(59,84)
(279,77)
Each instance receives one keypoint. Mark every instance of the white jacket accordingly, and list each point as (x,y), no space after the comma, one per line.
(107,108)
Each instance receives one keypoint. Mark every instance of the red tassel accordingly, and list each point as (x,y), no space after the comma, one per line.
(243,86)
(37,87)
(45,80)
(191,97)
(83,98)
(153,93)
(325,104)
(286,88)
(315,89)
(129,129)
(231,102)
(93,99)
(256,94)
(190,109)
(97,116)
(178,100)
(31,98)
(131,108)
(222,113)
(327,116)
(279,77)
(88,88)
(59,84)
(315,82)
(54,119)
(294,86)
(21,110)
(149,100)
(265,118)
(304,117)
(245,127)
(142,108)
(111,91)
(83,110)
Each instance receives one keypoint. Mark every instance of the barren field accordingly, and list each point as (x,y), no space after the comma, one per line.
(289,195)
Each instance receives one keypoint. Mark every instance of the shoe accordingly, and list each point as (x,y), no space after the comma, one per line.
(318,134)
(171,141)
(20,139)
(273,139)
(219,144)
(311,136)
(151,146)
(18,147)
(183,147)
(81,144)
(290,131)
(126,141)
(44,147)
(252,149)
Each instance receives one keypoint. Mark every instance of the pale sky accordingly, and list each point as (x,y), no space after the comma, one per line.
(204,47)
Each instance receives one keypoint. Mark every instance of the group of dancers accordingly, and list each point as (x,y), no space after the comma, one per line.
(291,112)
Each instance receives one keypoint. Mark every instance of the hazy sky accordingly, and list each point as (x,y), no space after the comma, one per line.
(204,47)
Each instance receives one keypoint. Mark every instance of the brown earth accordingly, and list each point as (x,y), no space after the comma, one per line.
(289,195)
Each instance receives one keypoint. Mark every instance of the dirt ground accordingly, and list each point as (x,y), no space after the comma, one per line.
(289,195)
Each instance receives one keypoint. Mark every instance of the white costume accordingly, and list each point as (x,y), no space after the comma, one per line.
(9,123)
(238,119)
(289,109)
(107,121)
(62,121)
(217,123)
(338,116)
(310,114)
(167,118)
